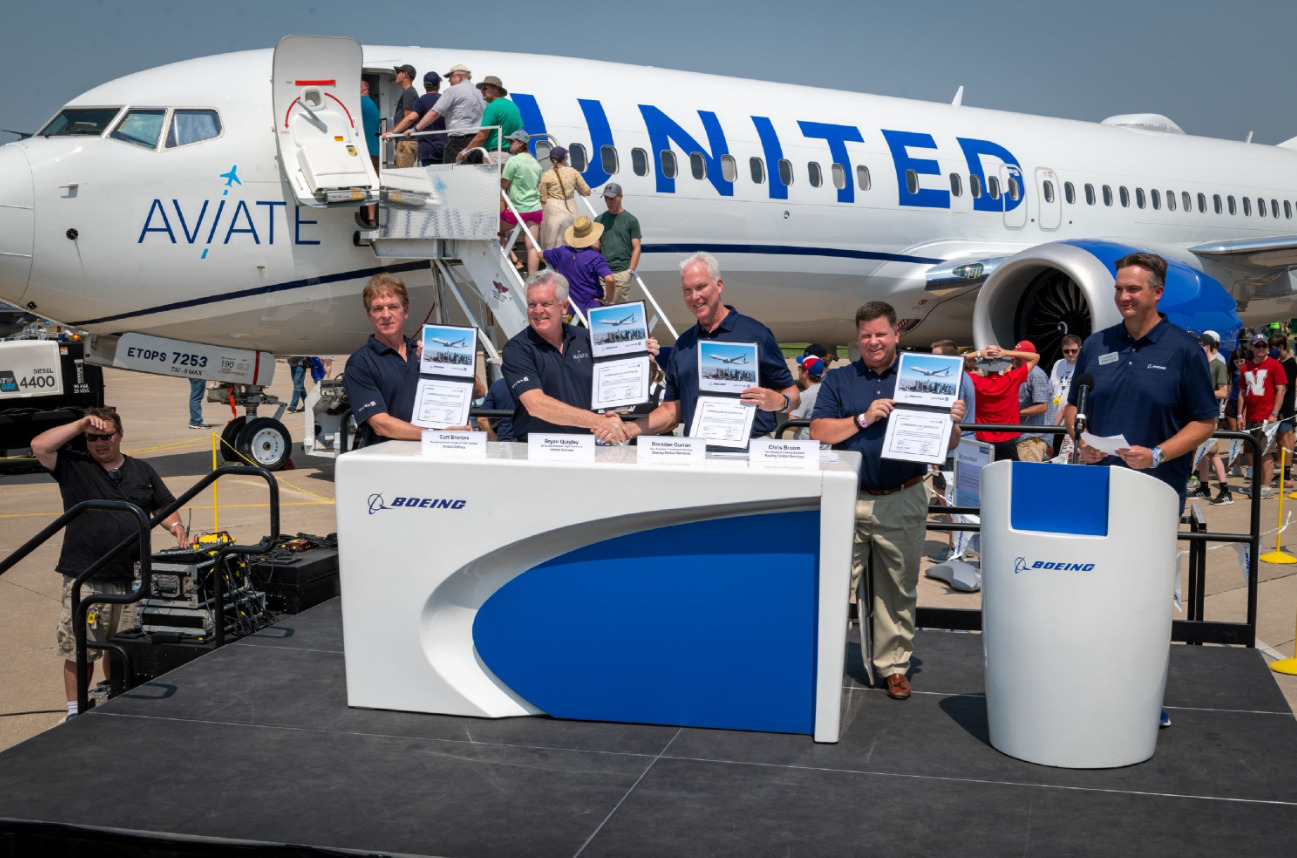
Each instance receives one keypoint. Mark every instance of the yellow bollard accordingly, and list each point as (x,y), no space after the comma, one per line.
(216,489)
(1278,556)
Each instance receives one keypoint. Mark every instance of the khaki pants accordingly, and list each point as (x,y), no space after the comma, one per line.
(889,537)
(102,621)
(621,286)
(407,151)
(1032,450)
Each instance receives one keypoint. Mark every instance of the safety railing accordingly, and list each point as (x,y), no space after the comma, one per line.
(121,679)
(411,134)
(1195,628)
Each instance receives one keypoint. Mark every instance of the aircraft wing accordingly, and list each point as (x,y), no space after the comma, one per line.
(1278,251)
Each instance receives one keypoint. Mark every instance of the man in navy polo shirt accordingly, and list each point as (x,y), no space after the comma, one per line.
(1151,381)
(549,369)
(382,376)
(775,391)
(851,414)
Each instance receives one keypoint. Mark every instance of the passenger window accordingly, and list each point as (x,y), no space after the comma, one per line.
(1048,189)
(141,127)
(911,181)
(192,126)
(1274,208)
(1107,195)
(993,187)
(813,172)
(1188,201)
(580,160)
(1215,198)
(974,186)
(80,121)
(697,165)
(757,168)
(1247,207)
(1139,197)
(1260,207)
(639,162)
(1125,196)
(1069,193)
(1287,210)
(1156,198)
(608,159)
(1014,190)
(862,177)
(1170,201)
(729,168)
(668,159)
(956,185)
(1089,194)
(785,171)
(839,175)
(542,149)
(1233,209)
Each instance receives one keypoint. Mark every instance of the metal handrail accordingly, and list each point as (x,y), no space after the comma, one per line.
(410,133)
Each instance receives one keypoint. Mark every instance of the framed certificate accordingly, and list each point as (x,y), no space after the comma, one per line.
(448,350)
(726,367)
(440,402)
(621,329)
(723,421)
(924,379)
(917,436)
(620,382)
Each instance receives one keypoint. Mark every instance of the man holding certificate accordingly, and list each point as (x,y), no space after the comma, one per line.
(851,413)
(753,369)
(549,369)
(382,376)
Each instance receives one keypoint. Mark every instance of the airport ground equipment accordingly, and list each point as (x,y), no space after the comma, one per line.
(1077,606)
(43,383)
(604,590)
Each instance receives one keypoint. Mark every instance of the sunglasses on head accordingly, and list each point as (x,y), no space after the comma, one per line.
(93,437)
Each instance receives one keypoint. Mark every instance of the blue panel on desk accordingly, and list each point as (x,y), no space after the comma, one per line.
(705,624)
(1059,499)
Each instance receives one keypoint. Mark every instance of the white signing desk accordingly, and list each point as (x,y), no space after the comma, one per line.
(712,596)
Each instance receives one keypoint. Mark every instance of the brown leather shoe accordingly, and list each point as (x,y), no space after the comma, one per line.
(898,687)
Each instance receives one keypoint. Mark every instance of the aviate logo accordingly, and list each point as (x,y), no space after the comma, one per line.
(1022,564)
(377,504)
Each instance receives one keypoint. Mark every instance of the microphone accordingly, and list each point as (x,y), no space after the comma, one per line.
(1084,384)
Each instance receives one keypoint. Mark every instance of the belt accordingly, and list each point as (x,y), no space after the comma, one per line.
(913,481)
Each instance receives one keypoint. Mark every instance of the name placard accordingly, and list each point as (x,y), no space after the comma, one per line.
(784,455)
(457,445)
(555,447)
(670,450)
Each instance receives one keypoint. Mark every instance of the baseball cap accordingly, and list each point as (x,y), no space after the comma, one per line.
(816,349)
(612,189)
(1025,346)
(1209,338)
(814,366)
(1261,338)
(407,68)
(431,79)
(520,135)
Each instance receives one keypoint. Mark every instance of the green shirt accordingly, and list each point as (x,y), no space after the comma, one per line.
(615,245)
(523,173)
(504,113)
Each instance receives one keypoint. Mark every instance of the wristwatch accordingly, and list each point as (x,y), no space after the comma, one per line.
(1157,456)
(861,421)
(788,403)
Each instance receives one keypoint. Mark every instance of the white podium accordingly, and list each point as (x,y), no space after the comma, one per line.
(705,596)
(1078,571)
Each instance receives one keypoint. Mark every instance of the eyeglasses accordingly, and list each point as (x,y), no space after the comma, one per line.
(1071,351)
(93,437)
(1259,346)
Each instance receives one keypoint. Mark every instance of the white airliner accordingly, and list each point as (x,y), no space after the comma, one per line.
(617,323)
(211,202)
(458,344)
(933,373)
(738,359)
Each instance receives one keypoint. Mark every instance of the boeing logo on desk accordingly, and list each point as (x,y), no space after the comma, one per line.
(1022,564)
(376,503)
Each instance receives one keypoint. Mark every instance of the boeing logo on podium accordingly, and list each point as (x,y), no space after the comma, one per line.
(376,503)
(1022,564)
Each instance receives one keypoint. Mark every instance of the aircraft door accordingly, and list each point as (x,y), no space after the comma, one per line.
(1014,196)
(318,121)
(1047,194)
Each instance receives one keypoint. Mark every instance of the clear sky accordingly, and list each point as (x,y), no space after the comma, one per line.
(1218,69)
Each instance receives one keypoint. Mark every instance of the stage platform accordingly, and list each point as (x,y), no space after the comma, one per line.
(253,747)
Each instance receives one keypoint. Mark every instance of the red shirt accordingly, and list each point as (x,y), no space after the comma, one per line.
(1256,385)
(997,401)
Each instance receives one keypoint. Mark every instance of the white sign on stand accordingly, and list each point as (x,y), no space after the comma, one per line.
(458,445)
(670,450)
(555,447)
(785,455)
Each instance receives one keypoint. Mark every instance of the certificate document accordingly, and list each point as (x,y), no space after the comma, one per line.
(924,379)
(723,421)
(726,367)
(448,350)
(917,436)
(439,403)
(620,382)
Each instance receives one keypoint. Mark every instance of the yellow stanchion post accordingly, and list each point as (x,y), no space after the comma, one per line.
(216,490)
(1279,556)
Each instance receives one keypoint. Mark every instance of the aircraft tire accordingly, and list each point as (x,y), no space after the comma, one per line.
(265,442)
(229,440)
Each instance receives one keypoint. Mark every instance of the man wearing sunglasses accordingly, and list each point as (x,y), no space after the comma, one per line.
(101,473)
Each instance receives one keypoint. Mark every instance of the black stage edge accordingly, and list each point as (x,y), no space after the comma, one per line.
(252,750)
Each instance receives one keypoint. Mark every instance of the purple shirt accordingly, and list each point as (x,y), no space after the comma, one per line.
(584,270)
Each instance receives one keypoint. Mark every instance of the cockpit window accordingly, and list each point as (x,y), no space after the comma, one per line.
(79,121)
(191,126)
(141,127)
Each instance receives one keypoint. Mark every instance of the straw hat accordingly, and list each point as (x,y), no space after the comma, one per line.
(583,232)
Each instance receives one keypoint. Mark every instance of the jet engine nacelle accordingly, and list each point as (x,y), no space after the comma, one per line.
(1065,287)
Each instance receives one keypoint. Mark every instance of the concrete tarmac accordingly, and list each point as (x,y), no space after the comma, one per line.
(155,416)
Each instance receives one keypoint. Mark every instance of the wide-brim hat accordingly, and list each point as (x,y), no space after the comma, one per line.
(492,80)
(583,232)
(458,68)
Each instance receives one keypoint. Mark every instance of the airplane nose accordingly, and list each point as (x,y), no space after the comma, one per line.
(17,222)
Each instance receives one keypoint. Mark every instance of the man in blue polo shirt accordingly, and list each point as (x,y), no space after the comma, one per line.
(1151,381)
(775,390)
(382,376)
(851,414)
(549,369)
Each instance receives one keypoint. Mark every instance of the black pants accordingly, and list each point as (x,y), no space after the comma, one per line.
(454,145)
(1007,449)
